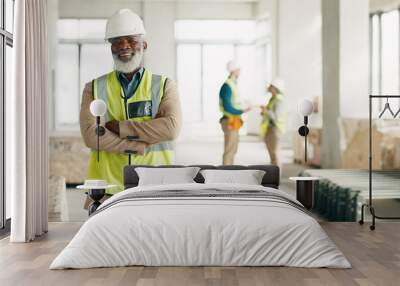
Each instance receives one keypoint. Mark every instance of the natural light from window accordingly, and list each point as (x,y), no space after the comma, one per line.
(203,50)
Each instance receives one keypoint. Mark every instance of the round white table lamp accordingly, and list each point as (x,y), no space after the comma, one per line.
(98,108)
(305,107)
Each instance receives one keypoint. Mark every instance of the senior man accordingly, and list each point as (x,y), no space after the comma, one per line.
(143,111)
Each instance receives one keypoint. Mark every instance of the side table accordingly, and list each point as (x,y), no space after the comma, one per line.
(305,190)
(96,193)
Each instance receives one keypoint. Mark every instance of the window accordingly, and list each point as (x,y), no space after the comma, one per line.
(203,49)
(385,53)
(190,55)
(375,58)
(81,45)
(67,85)
(6,44)
(390,52)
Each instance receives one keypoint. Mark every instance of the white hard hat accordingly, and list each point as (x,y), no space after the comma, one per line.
(279,84)
(124,23)
(232,66)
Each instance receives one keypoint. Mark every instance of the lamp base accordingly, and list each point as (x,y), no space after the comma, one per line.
(303,130)
(305,193)
(96,195)
(100,130)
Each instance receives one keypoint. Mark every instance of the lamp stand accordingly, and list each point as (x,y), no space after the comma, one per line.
(131,152)
(100,131)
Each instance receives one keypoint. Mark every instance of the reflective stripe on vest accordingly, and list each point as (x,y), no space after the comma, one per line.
(280,121)
(235,101)
(100,91)
(142,106)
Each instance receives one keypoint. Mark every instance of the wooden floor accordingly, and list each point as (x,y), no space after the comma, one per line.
(375,257)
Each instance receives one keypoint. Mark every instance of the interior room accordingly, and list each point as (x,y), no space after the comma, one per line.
(188,142)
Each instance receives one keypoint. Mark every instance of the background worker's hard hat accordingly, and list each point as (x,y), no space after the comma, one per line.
(124,23)
(279,84)
(232,66)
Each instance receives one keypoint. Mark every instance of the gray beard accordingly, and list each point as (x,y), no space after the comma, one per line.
(127,67)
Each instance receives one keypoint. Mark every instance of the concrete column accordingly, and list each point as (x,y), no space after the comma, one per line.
(345,70)
(159,21)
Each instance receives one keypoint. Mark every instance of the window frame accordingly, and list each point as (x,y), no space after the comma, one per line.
(6,39)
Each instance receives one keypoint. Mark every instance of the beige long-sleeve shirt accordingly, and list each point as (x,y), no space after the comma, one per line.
(164,127)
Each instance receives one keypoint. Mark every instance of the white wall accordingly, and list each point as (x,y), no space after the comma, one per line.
(383,5)
(211,10)
(95,8)
(300,53)
(296,51)
(354,58)
(160,56)
(183,9)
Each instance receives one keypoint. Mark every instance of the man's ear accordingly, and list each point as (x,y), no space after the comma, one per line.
(144,45)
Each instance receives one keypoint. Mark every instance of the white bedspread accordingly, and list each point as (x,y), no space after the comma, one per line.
(200,231)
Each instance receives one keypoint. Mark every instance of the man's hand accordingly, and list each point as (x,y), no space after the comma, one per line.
(141,147)
(113,126)
(247,109)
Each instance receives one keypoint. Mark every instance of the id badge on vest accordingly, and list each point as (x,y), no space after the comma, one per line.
(140,109)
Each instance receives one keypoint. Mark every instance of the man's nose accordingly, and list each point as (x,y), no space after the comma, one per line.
(124,44)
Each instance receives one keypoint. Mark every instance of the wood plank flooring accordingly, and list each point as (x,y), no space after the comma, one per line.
(375,257)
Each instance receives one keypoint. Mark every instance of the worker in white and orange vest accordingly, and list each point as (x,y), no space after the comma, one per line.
(232,111)
(274,120)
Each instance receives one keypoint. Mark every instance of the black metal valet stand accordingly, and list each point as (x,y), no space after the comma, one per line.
(370,205)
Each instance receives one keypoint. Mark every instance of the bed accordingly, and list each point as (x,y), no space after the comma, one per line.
(199,224)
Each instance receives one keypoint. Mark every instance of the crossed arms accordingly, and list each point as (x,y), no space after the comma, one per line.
(164,127)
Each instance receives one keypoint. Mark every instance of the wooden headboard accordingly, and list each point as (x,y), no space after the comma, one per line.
(270,179)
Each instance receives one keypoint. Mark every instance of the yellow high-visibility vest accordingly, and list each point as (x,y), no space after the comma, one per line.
(235,100)
(280,121)
(142,106)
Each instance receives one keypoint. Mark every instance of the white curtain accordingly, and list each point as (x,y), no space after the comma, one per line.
(27,139)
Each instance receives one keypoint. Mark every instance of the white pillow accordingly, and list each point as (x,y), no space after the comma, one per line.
(166,176)
(248,177)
